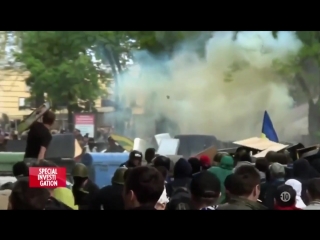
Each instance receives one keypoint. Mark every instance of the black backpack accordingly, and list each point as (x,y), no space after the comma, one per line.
(180,200)
(172,188)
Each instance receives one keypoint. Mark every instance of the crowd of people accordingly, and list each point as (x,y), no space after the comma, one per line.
(226,182)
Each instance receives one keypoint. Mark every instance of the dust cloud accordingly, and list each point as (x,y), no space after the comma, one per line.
(201,101)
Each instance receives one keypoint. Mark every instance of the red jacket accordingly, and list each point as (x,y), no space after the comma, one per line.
(276,207)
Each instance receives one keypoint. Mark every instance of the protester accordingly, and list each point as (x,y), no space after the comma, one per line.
(163,171)
(77,134)
(262,165)
(110,197)
(162,202)
(25,198)
(150,154)
(217,158)
(20,169)
(142,189)
(273,157)
(285,198)
(135,159)
(3,143)
(223,169)
(268,189)
(297,186)
(205,162)
(313,194)
(195,164)
(182,176)
(163,161)
(205,189)
(84,189)
(243,158)
(181,200)
(39,137)
(238,155)
(246,192)
(230,184)
(303,172)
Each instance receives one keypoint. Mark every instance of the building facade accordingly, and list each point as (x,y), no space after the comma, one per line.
(14,92)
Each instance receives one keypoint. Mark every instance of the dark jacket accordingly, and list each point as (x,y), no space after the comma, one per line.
(109,198)
(268,190)
(145,207)
(238,203)
(84,196)
(54,204)
(182,176)
(303,172)
(127,164)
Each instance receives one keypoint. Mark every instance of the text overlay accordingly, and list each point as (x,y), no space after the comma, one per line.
(47,177)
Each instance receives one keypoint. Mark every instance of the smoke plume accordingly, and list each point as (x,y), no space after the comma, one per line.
(200,99)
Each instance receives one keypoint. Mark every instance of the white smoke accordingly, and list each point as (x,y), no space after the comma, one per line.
(201,101)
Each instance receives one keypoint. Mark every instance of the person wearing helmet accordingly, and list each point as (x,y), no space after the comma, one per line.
(110,197)
(134,160)
(83,188)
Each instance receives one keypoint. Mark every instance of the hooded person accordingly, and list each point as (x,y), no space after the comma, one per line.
(195,164)
(163,161)
(297,186)
(182,177)
(268,189)
(243,159)
(223,170)
(303,172)
(83,189)
(135,159)
(262,165)
(110,197)
(150,154)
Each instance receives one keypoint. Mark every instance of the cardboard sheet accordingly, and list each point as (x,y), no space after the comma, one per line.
(259,143)
(161,136)
(169,146)
(77,149)
(174,158)
(140,145)
(274,148)
(210,152)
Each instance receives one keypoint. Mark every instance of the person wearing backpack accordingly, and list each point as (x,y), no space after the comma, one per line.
(182,173)
(204,194)
(180,200)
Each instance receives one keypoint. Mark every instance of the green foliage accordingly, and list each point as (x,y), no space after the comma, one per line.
(309,51)
(158,42)
(60,66)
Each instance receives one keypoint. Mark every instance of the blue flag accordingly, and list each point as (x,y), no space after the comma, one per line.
(268,129)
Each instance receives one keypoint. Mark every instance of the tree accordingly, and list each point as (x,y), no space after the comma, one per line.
(299,69)
(61,67)
(165,42)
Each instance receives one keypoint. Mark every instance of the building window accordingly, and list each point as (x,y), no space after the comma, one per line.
(107,102)
(22,103)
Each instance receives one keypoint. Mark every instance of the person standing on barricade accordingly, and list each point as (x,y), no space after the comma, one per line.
(39,137)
